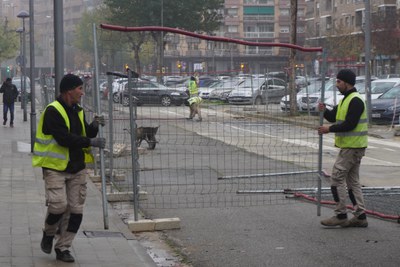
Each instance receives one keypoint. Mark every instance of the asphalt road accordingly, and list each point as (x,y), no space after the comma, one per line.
(265,230)
(278,233)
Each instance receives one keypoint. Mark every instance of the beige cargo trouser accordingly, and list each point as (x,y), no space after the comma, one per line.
(346,179)
(65,194)
(195,109)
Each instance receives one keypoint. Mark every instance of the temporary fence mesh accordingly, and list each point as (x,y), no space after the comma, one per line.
(240,154)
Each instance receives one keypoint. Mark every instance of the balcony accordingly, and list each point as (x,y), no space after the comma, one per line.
(234,35)
(193,53)
(256,35)
(257,18)
(171,53)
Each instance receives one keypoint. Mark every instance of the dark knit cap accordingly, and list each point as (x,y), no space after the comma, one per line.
(69,82)
(347,76)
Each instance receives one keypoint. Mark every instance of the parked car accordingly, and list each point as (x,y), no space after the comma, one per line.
(204,92)
(387,76)
(302,81)
(332,96)
(378,87)
(223,89)
(258,91)
(386,108)
(312,88)
(116,88)
(148,92)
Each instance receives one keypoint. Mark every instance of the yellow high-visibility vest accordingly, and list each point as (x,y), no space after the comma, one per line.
(358,137)
(47,152)
(193,90)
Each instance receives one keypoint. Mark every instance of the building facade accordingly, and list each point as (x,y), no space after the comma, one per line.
(339,27)
(249,20)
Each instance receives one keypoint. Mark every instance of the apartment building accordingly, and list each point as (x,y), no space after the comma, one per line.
(249,20)
(338,26)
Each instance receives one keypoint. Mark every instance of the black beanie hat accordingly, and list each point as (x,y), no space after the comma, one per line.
(347,76)
(69,82)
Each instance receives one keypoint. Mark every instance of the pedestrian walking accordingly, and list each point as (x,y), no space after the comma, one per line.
(62,149)
(10,94)
(351,136)
(194,99)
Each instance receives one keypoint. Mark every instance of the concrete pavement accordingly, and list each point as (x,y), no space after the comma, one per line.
(22,211)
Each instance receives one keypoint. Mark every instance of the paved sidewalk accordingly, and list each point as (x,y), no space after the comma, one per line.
(22,212)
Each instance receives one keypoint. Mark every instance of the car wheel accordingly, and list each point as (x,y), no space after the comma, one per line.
(258,101)
(125,101)
(166,101)
(116,98)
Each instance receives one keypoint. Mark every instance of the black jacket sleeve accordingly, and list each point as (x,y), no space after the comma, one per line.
(54,124)
(15,92)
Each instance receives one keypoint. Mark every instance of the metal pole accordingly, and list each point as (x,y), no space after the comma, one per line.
(23,83)
(58,44)
(21,63)
(98,111)
(162,39)
(32,74)
(111,132)
(320,144)
(368,57)
(135,164)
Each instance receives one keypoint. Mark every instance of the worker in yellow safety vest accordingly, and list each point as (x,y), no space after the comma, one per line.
(62,149)
(351,136)
(194,99)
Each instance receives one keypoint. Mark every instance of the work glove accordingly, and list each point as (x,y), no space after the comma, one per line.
(98,120)
(98,142)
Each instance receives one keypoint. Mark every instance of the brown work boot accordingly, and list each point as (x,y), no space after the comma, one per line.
(356,222)
(334,221)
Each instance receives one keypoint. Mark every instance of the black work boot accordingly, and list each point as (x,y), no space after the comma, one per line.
(47,243)
(64,256)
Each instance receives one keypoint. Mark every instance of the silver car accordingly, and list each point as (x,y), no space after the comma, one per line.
(258,91)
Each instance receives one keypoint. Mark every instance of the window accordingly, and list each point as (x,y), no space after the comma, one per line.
(359,18)
(284,29)
(329,23)
(232,11)
(284,12)
(232,28)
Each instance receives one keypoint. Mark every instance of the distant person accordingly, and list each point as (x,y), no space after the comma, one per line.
(62,149)
(10,94)
(351,136)
(194,99)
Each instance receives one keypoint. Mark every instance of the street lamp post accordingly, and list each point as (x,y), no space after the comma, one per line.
(20,31)
(32,74)
(23,15)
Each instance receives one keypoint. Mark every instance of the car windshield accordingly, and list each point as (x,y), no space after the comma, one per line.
(392,93)
(248,83)
(310,89)
(381,87)
(227,84)
(360,87)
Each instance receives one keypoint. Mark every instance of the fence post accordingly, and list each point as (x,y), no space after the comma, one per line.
(135,157)
(98,111)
